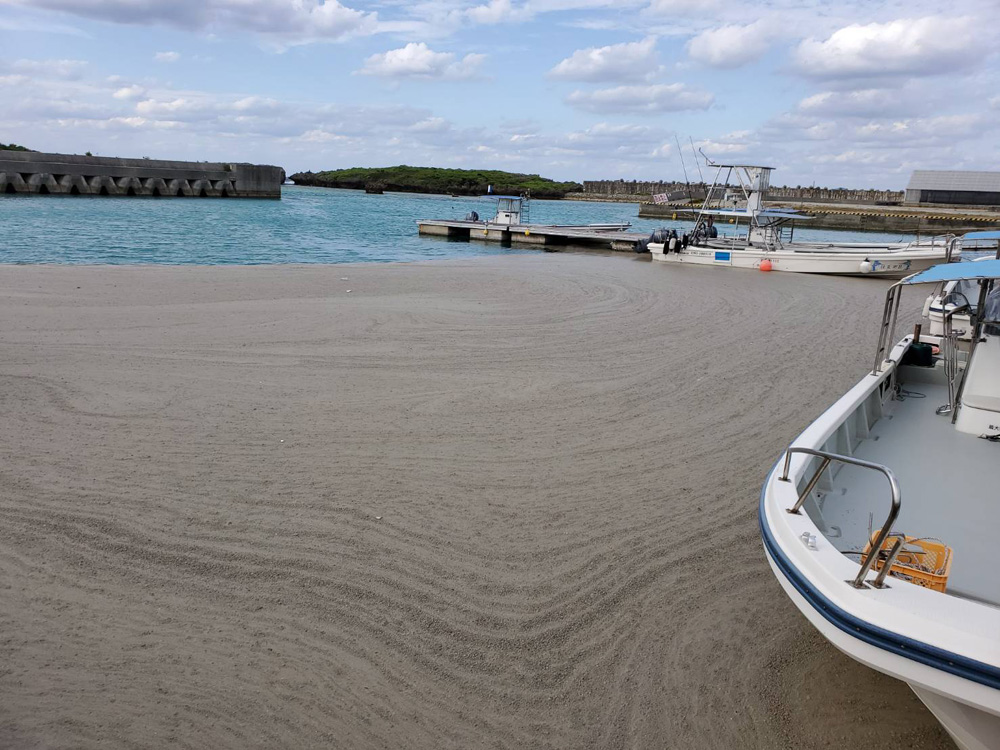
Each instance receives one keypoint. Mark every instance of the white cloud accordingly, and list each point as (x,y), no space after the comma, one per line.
(417,60)
(70,70)
(731,46)
(652,99)
(281,21)
(616,62)
(869,102)
(498,11)
(129,92)
(167,57)
(910,46)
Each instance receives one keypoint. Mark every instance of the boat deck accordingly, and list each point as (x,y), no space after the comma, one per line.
(948,485)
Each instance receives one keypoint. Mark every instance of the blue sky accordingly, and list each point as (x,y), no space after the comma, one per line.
(854,94)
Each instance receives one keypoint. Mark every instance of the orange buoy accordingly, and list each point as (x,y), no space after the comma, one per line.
(765,265)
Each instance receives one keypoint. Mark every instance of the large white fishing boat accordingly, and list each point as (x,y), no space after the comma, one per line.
(763,238)
(881,519)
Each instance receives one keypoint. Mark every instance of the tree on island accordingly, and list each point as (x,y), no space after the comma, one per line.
(14,147)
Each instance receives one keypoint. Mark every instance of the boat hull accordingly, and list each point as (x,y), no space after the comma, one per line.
(890,265)
(971,728)
(943,646)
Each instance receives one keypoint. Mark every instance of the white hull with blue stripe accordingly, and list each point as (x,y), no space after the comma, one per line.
(885,261)
(910,454)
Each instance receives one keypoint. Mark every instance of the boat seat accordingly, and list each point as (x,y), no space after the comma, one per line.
(982,382)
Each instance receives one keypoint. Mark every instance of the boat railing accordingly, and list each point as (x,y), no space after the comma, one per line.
(887,332)
(949,352)
(827,457)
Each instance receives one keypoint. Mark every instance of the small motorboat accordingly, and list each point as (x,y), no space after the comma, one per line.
(880,521)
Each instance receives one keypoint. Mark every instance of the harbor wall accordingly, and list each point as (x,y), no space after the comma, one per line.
(865,218)
(643,191)
(29,172)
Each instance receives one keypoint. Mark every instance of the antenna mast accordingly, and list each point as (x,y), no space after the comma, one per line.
(700,174)
(680,151)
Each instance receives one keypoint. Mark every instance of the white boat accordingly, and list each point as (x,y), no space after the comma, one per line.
(763,238)
(948,298)
(917,449)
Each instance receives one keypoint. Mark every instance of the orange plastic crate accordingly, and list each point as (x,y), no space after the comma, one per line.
(916,551)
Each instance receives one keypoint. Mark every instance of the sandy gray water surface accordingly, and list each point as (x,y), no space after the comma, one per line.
(502,502)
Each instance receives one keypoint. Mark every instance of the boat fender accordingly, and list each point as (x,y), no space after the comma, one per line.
(765,265)
(673,244)
(866,266)
(927,306)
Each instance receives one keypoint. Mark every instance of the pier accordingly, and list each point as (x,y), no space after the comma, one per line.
(30,172)
(510,226)
(532,234)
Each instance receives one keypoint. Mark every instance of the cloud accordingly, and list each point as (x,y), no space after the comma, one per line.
(652,99)
(498,11)
(616,62)
(70,70)
(909,47)
(731,46)
(417,60)
(129,92)
(736,142)
(282,21)
(870,102)
(167,57)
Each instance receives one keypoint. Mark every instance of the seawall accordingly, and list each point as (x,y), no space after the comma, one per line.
(867,218)
(643,191)
(28,172)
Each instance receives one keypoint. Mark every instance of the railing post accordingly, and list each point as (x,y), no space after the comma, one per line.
(879,581)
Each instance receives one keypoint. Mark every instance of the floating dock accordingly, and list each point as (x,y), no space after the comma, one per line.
(532,234)
(69,174)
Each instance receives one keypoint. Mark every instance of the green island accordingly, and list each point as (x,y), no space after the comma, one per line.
(14,147)
(436,180)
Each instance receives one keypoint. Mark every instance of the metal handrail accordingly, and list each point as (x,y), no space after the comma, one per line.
(949,352)
(888,330)
(883,534)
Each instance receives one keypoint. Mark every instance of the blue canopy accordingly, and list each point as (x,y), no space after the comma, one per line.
(991,235)
(980,269)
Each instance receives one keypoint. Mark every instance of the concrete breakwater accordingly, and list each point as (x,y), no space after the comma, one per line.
(29,172)
(641,192)
(864,218)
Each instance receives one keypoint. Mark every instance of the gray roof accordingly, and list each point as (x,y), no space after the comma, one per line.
(932,179)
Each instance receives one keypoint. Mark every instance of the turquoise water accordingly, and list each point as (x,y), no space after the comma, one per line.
(308,225)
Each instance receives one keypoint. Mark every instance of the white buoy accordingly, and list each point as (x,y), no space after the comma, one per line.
(866,266)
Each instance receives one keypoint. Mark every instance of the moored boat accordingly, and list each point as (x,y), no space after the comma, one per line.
(880,520)
(763,238)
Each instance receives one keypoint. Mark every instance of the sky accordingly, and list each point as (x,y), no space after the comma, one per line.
(855,93)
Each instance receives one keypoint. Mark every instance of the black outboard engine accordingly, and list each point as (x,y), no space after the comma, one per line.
(472,216)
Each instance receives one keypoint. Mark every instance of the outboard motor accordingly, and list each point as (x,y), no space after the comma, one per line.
(472,216)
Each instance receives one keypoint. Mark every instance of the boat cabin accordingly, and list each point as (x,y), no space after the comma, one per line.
(511,209)
(736,198)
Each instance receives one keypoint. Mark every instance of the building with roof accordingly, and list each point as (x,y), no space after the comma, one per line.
(963,188)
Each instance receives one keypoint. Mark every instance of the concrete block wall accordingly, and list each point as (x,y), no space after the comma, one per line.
(71,174)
